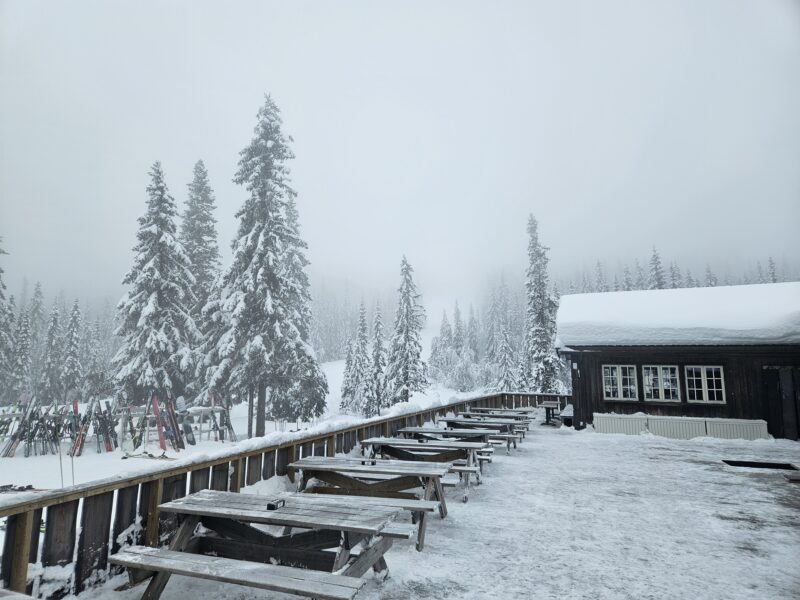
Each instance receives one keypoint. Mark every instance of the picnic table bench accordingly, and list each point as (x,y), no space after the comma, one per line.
(12,595)
(378,477)
(521,420)
(331,532)
(438,432)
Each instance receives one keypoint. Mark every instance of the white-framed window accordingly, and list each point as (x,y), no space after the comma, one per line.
(619,382)
(705,384)
(660,382)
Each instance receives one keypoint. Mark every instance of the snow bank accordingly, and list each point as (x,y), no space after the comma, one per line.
(742,314)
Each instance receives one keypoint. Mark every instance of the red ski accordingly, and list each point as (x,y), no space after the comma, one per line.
(162,440)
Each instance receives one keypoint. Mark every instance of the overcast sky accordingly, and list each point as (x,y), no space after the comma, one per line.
(430,129)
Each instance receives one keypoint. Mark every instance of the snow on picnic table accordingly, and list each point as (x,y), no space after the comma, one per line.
(585,515)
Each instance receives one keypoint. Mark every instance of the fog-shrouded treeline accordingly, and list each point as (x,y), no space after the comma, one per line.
(653,272)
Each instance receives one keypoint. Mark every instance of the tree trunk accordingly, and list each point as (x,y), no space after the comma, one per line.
(261,410)
(249,413)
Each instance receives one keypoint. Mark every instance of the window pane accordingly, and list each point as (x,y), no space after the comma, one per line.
(610,387)
(694,383)
(714,384)
(628,382)
(669,378)
(651,388)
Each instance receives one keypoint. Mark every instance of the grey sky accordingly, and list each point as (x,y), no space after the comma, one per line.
(430,129)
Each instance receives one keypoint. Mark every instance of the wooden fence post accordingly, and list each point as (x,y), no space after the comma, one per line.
(20,550)
(155,490)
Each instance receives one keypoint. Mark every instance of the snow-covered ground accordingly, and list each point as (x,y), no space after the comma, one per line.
(586,515)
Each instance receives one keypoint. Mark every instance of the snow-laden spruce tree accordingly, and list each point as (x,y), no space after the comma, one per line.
(198,234)
(257,342)
(406,372)
(601,284)
(675,278)
(441,346)
(71,369)
(541,360)
(627,279)
(772,270)
(37,322)
(656,281)
(6,338)
(459,332)
(21,379)
(376,390)
(711,278)
(359,372)
(473,336)
(95,378)
(347,379)
(159,334)
(506,377)
(49,389)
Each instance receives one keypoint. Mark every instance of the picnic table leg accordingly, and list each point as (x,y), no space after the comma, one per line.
(437,483)
(178,543)
(422,518)
(342,553)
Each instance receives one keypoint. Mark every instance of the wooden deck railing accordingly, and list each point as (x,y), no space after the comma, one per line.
(83,524)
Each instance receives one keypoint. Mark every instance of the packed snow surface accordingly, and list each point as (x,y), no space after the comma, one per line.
(585,515)
(741,314)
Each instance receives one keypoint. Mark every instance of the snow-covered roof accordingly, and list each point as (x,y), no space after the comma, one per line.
(726,315)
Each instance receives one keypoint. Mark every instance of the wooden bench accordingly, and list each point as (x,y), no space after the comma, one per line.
(276,578)
(505,438)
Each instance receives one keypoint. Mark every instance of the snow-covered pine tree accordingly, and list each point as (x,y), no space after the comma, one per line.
(601,284)
(506,379)
(616,286)
(540,326)
(459,333)
(711,278)
(95,379)
(38,326)
(760,278)
(347,379)
(441,349)
(586,284)
(473,342)
(406,371)
(674,276)
(493,329)
(198,234)
(21,370)
(656,281)
(640,277)
(49,389)
(377,393)
(689,281)
(71,369)
(360,378)
(627,279)
(156,325)
(772,270)
(259,334)
(6,337)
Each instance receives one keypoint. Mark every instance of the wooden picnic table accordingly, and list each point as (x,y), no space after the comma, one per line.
(519,418)
(550,407)
(377,477)
(502,427)
(462,452)
(465,434)
(330,531)
(519,411)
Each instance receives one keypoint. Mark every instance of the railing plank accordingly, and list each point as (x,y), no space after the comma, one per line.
(268,469)
(198,480)
(59,544)
(254,468)
(219,477)
(93,540)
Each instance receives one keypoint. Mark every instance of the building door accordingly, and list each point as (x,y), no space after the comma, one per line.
(782,393)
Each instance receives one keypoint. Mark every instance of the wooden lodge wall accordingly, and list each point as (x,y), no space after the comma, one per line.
(747,372)
(83,524)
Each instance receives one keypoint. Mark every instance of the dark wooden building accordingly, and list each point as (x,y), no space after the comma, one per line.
(730,352)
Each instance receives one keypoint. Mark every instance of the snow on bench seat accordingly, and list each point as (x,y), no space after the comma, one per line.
(290,580)
(12,595)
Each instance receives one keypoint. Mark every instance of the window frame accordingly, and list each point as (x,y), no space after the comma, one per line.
(618,378)
(662,397)
(704,381)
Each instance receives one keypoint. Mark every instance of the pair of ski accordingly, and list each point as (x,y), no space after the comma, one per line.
(168,427)
(11,445)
